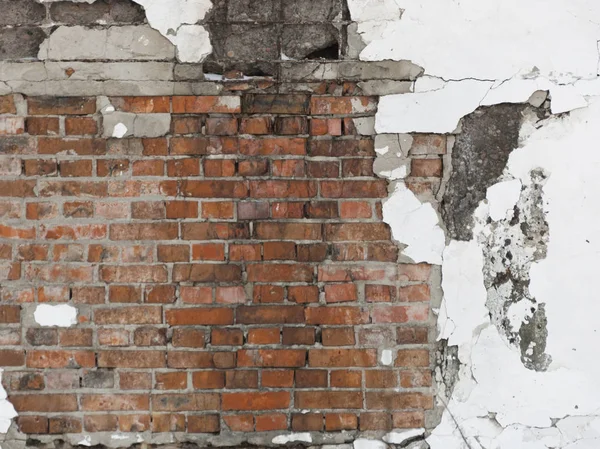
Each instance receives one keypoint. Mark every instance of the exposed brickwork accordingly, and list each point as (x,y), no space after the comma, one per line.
(229,276)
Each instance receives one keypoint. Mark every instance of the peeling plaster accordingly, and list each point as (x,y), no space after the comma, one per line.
(498,401)
(175,20)
(7,411)
(414,224)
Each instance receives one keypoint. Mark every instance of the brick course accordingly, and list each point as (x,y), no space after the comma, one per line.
(228,276)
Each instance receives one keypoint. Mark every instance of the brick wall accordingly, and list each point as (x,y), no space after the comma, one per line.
(233,275)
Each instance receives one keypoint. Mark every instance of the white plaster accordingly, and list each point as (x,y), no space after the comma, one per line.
(492,380)
(62,315)
(387,357)
(192,42)
(430,111)
(291,437)
(7,411)
(502,198)
(177,21)
(414,224)
(519,312)
(491,40)
(119,131)
(400,436)
(364,443)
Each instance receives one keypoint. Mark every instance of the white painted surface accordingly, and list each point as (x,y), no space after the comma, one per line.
(400,436)
(176,20)
(291,437)
(62,315)
(493,381)
(387,357)
(438,110)
(365,443)
(7,411)
(489,40)
(415,225)
(502,198)
(119,130)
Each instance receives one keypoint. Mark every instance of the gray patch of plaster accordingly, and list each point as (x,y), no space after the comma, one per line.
(509,247)
(126,124)
(479,156)
(114,43)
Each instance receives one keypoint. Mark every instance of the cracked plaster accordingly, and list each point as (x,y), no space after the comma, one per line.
(517,298)
(176,20)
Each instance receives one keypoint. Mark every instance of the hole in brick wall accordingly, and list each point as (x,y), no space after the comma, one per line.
(330,52)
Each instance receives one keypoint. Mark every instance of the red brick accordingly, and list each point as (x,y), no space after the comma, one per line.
(270,422)
(185,402)
(277,378)
(45,403)
(131,359)
(80,126)
(340,293)
(256,401)
(269,314)
(338,336)
(171,381)
(276,358)
(141,105)
(336,315)
(221,126)
(60,359)
(61,105)
(114,402)
(426,168)
(328,399)
(398,401)
(340,421)
(203,424)
(206,104)
(191,338)
(256,125)
(400,314)
(346,379)
(226,337)
(264,336)
(199,316)
(64,424)
(239,423)
(33,424)
(302,422)
(128,315)
(42,126)
(342,357)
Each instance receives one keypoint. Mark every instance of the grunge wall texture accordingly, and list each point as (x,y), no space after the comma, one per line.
(329,222)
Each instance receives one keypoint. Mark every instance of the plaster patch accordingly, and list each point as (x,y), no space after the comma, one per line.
(437,110)
(132,42)
(292,437)
(62,315)
(502,198)
(387,357)
(7,411)
(177,21)
(119,130)
(498,402)
(492,40)
(399,437)
(364,443)
(414,224)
